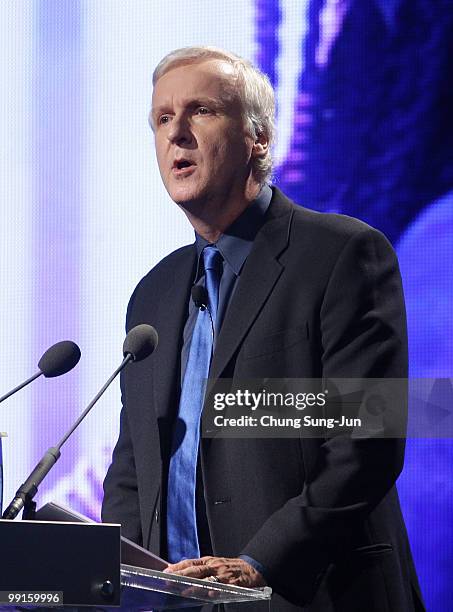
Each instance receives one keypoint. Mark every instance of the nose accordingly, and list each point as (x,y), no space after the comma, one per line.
(179,131)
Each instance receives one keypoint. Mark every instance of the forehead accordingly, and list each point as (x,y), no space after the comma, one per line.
(211,78)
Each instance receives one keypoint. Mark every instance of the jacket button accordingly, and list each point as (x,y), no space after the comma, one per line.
(156,516)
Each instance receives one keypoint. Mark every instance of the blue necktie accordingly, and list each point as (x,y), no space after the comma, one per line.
(182,536)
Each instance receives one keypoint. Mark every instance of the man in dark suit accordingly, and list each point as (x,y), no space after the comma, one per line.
(299,295)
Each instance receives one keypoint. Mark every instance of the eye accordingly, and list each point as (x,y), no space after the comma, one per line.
(163,119)
(203,110)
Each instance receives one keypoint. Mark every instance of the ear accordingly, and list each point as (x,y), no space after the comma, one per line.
(260,146)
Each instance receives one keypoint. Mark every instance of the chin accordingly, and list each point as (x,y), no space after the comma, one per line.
(186,196)
(183,198)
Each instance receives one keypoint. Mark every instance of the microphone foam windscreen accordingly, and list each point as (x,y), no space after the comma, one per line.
(140,341)
(59,358)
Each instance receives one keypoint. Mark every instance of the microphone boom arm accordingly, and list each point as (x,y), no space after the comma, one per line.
(21,386)
(26,492)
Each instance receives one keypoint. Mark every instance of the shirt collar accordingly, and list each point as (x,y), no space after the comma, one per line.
(237,241)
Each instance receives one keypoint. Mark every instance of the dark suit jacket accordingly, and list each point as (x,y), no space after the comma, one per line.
(319,295)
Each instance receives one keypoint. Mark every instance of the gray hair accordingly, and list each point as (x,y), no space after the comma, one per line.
(255,92)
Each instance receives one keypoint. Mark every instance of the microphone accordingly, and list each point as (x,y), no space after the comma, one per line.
(140,342)
(200,297)
(57,360)
(201,300)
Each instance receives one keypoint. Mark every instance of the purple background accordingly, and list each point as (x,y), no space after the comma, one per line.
(365,99)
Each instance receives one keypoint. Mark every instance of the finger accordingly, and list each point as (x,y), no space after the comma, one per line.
(219,563)
(195,571)
(185,563)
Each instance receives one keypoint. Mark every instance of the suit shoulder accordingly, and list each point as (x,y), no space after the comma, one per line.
(155,283)
(164,269)
(315,225)
(334,229)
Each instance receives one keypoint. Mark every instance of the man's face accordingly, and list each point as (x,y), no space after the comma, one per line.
(202,148)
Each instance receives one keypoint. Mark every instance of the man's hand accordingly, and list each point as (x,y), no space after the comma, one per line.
(222,569)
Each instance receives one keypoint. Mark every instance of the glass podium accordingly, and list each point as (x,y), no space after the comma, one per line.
(83,565)
(143,589)
(148,590)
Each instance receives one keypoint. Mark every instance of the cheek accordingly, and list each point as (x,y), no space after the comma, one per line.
(220,151)
(161,154)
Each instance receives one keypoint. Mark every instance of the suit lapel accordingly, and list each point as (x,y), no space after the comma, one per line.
(261,271)
(171,316)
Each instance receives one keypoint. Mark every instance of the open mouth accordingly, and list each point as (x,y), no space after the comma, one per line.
(182,166)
